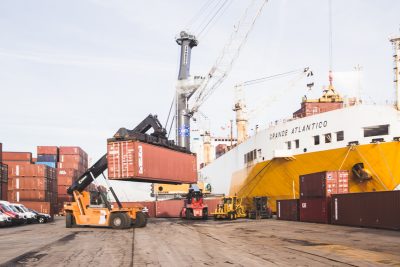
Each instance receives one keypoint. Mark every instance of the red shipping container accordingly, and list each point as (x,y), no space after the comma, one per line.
(288,209)
(69,165)
(27,170)
(71,150)
(68,172)
(64,180)
(169,208)
(17,156)
(29,183)
(62,189)
(317,210)
(323,184)
(150,205)
(64,198)
(47,150)
(369,209)
(3,190)
(71,159)
(1,152)
(29,195)
(137,161)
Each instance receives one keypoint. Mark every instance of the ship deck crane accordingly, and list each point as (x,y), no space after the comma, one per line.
(93,208)
(240,107)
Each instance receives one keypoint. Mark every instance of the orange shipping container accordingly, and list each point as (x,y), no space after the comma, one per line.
(28,170)
(68,172)
(47,150)
(137,161)
(150,205)
(30,183)
(17,156)
(29,195)
(71,150)
(62,189)
(71,159)
(64,180)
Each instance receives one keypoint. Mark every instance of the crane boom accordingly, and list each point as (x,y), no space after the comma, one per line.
(230,53)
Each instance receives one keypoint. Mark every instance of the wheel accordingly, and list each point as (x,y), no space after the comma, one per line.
(118,220)
(141,220)
(189,214)
(230,215)
(234,216)
(205,214)
(41,220)
(69,220)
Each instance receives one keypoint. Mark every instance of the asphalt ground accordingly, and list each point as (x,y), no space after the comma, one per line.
(175,242)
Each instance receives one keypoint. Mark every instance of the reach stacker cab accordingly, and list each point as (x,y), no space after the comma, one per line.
(93,208)
(194,207)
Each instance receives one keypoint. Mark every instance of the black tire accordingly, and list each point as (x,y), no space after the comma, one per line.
(189,214)
(141,220)
(118,220)
(205,214)
(41,220)
(69,220)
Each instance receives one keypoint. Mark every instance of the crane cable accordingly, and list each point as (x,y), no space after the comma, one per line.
(204,92)
(267,78)
(169,113)
(212,18)
(197,15)
(208,14)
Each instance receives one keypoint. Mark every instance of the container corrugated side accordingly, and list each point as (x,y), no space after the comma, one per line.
(29,183)
(17,156)
(138,161)
(315,210)
(169,208)
(47,150)
(323,184)
(288,209)
(370,209)
(150,205)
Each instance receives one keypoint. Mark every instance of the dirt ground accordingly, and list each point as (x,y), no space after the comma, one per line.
(173,242)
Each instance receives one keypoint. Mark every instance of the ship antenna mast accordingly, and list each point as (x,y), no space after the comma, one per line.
(330,47)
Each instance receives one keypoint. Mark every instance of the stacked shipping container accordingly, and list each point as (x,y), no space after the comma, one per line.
(47,155)
(34,184)
(288,209)
(315,194)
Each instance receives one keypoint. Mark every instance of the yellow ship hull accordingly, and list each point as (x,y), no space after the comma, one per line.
(279,178)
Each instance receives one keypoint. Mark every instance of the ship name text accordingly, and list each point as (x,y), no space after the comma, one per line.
(299,129)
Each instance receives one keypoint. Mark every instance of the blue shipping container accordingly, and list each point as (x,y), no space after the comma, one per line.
(50,164)
(46,158)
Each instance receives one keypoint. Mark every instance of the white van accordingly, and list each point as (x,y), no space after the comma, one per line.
(30,216)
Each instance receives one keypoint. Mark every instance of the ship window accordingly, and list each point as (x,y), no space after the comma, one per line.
(259,153)
(289,145)
(340,136)
(297,143)
(376,130)
(328,138)
(316,140)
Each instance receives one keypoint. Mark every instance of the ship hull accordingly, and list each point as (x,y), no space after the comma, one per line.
(279,178)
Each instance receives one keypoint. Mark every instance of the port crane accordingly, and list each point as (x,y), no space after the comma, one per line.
(201,88)
(93,208)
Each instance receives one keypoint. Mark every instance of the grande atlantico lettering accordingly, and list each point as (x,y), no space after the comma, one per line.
(299,129)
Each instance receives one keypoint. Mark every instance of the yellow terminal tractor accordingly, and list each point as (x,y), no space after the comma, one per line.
(230,208)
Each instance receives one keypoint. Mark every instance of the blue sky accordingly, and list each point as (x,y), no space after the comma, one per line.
(74,72)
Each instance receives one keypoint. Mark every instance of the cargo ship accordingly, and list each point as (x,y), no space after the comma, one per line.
(324,134)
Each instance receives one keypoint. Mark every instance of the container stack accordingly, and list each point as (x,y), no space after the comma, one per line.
(73,162)
(315,194)
(32,185)
(369,209)
(47,155)
(3,176)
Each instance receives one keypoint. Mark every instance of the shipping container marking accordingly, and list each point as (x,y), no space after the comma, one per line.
(140,159)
